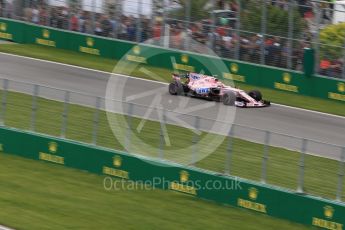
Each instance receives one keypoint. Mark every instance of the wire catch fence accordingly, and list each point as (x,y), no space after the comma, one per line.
(303,165)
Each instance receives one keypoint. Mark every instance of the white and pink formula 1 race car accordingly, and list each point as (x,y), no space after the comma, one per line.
(208,87)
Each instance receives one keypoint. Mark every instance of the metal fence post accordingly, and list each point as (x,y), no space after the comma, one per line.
(317,39)
(93,17)
(187,23)
(154,10)
(302,166)
(290,34)
(129,128)
(195,140)
(213,26)
(49,13)
(238,27)
(65,114)
(341,175)
(161,136)
(117,18)
(263,31)
(343,69)
(163,34)
(69,16)
(229,150)
(34,107)
(4,102)
(96,120)
(26,4)
(265,157)
(3,9)
(139,25)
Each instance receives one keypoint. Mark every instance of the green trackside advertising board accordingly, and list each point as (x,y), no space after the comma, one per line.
(263,199)
(46,37)
(174,60)
(98,46)
(12,30)
(334,90)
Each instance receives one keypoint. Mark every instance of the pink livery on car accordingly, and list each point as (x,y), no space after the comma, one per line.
(209,87)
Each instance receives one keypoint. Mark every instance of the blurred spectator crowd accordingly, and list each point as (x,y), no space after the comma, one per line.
(221,36)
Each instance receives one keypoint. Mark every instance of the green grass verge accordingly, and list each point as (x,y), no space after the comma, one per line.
(246,157)
(105,64)
(37,195)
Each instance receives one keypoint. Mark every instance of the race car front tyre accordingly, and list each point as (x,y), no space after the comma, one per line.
(176,88)
(255,94)
(229,98)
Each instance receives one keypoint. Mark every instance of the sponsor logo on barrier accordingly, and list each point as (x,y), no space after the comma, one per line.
(89,48)
(286,86)
(136,50)
(3,26)
(46,33)
(184,66)
(52,147)
(51,157)
(45,40)
(234,68)
(183,186)
(3,34)
(287,78)
(341,87)
(184,58)
(115,172)
(184,176)
(90,42)
(328,213)
(340,96)
(135,55)
(117,163)
(253,194)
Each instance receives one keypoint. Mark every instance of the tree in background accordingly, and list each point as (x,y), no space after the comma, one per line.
(332,39)
(197,10)
(277,21)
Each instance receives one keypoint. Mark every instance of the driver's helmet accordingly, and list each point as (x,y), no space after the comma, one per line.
(214,79)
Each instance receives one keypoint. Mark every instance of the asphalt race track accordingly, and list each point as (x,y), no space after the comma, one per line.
(285,120)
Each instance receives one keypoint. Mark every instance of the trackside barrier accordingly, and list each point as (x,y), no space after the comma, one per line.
(257,75)
(271,201)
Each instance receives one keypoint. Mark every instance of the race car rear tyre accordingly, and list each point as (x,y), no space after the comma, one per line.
(172,89)
(229,98)
(176,88)
(256,94)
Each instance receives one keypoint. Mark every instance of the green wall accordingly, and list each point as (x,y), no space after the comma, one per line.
(229,190)
(253,74)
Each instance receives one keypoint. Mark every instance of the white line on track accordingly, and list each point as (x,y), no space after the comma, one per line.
(5,228)
(157,82)
(310,111)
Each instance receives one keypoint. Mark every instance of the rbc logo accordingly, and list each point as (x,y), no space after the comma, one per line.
(202,90)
